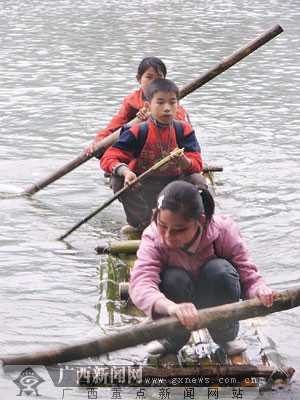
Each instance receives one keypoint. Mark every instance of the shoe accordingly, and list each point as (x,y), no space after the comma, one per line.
(130,231)
(155,347)
(234,347)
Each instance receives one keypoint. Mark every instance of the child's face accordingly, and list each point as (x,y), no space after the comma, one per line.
(148,76)
(163,106)
(175,230)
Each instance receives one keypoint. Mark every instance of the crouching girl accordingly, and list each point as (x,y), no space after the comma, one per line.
(190,258)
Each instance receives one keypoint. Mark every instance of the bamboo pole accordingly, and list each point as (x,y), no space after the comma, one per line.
(144,333)
(118,247)
(140,178)
(98,151)
(232,59)
(241,371)
(201,80)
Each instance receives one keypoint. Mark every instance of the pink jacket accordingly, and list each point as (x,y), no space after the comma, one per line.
(221,236)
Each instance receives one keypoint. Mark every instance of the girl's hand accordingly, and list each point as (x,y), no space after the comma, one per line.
(266,296)
(88,150)
(143,114)
(186,313)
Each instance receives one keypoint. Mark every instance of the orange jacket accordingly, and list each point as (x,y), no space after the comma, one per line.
(129,108)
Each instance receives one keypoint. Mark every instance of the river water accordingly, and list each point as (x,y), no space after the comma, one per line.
(64,68)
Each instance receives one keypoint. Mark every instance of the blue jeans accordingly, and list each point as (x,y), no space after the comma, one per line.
(217,283)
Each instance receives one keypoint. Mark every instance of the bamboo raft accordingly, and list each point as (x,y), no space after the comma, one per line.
(200,359)
(201,356)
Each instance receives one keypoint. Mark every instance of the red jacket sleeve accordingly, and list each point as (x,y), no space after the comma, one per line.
(182,115)
(192,150)
(120,152)
(130,106)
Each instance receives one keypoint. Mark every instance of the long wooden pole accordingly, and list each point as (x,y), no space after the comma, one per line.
(144,333)
(232,59)
(205,77)
(140,178)
(98,151)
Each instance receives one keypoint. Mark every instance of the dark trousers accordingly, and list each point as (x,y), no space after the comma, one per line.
(139,203)
(217,283)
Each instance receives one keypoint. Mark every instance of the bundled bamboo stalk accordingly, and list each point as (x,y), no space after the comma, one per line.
(208,317)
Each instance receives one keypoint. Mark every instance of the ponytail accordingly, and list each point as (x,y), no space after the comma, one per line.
(208,205)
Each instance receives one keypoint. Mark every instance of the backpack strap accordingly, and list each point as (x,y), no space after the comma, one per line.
(142,137)
(179,131)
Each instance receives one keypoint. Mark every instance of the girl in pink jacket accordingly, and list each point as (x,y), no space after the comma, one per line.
(189,259)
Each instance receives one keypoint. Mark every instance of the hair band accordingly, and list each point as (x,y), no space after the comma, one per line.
(160,201)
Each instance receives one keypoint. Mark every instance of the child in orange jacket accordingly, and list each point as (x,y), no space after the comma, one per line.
(133,106)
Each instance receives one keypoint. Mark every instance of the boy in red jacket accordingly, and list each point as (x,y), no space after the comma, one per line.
(141,146)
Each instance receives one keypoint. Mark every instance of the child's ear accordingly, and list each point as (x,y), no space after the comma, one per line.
(202,219)
(138,79)
(147,105)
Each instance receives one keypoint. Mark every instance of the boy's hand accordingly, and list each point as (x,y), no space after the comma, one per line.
(129,176)
(180,159)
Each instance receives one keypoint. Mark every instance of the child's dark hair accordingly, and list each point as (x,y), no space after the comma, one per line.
(153,62)
(161,85)
(183,197)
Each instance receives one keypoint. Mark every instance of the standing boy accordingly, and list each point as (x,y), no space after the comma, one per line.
(141,146)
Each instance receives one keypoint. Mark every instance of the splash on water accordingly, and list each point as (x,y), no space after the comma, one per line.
(10,191)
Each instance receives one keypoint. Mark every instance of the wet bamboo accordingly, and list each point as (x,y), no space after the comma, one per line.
(118,247)
(144,333)
(201,80)
(240,371)
(140,178)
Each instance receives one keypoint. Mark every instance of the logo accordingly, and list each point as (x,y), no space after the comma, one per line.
(28,381)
